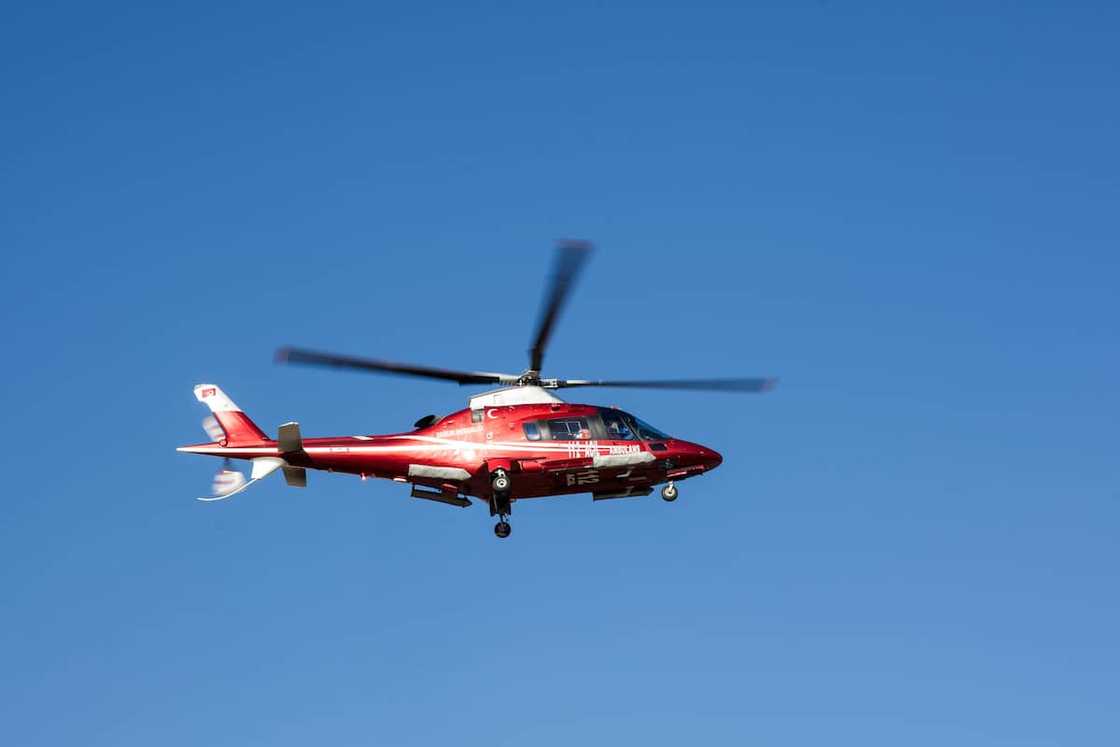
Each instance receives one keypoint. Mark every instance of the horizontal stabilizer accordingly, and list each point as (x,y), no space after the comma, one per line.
(290,441)
(296,477)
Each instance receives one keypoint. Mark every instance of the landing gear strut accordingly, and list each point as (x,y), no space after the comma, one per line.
(669,493)
(500,502)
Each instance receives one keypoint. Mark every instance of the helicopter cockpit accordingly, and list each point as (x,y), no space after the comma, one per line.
(610,424)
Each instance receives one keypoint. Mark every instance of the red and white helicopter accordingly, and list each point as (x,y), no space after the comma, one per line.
(520,441)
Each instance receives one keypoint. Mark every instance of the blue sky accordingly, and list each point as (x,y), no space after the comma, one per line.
(908,214)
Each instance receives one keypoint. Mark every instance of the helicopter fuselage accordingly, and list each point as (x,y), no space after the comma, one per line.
(552,448)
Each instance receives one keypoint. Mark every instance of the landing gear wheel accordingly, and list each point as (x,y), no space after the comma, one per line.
(669,493)
(502,529)
(499,480)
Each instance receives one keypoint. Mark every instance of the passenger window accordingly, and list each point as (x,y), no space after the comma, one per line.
(532,431)
(617,427)
(569,429)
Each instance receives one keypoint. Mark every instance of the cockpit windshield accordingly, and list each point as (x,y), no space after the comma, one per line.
(647,432)
(622,426)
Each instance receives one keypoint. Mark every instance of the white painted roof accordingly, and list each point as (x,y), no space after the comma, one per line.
(516,395)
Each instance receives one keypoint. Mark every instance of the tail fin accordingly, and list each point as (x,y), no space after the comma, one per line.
(235,424)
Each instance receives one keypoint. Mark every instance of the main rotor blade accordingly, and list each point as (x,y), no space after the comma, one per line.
(570,258)
(315,358)
(708,385)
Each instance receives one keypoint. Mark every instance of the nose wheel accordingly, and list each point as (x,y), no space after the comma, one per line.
(502,529)
(669,493)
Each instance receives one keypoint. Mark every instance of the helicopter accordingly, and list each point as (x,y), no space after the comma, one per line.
(516,442)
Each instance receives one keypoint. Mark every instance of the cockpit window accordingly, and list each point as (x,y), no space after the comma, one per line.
(647,432)
(532,431)
(618,429)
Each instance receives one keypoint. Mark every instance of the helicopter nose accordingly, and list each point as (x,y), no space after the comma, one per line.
(711,457)
(707,458)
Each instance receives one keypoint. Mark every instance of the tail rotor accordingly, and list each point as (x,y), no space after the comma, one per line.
(213,428)
(227,482)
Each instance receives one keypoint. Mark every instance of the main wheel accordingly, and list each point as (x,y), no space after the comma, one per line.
(499,480)
(669,493)
(502,529)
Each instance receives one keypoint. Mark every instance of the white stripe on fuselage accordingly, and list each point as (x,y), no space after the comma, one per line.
(432,443)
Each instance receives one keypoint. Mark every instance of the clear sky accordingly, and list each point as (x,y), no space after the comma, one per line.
(909,214)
